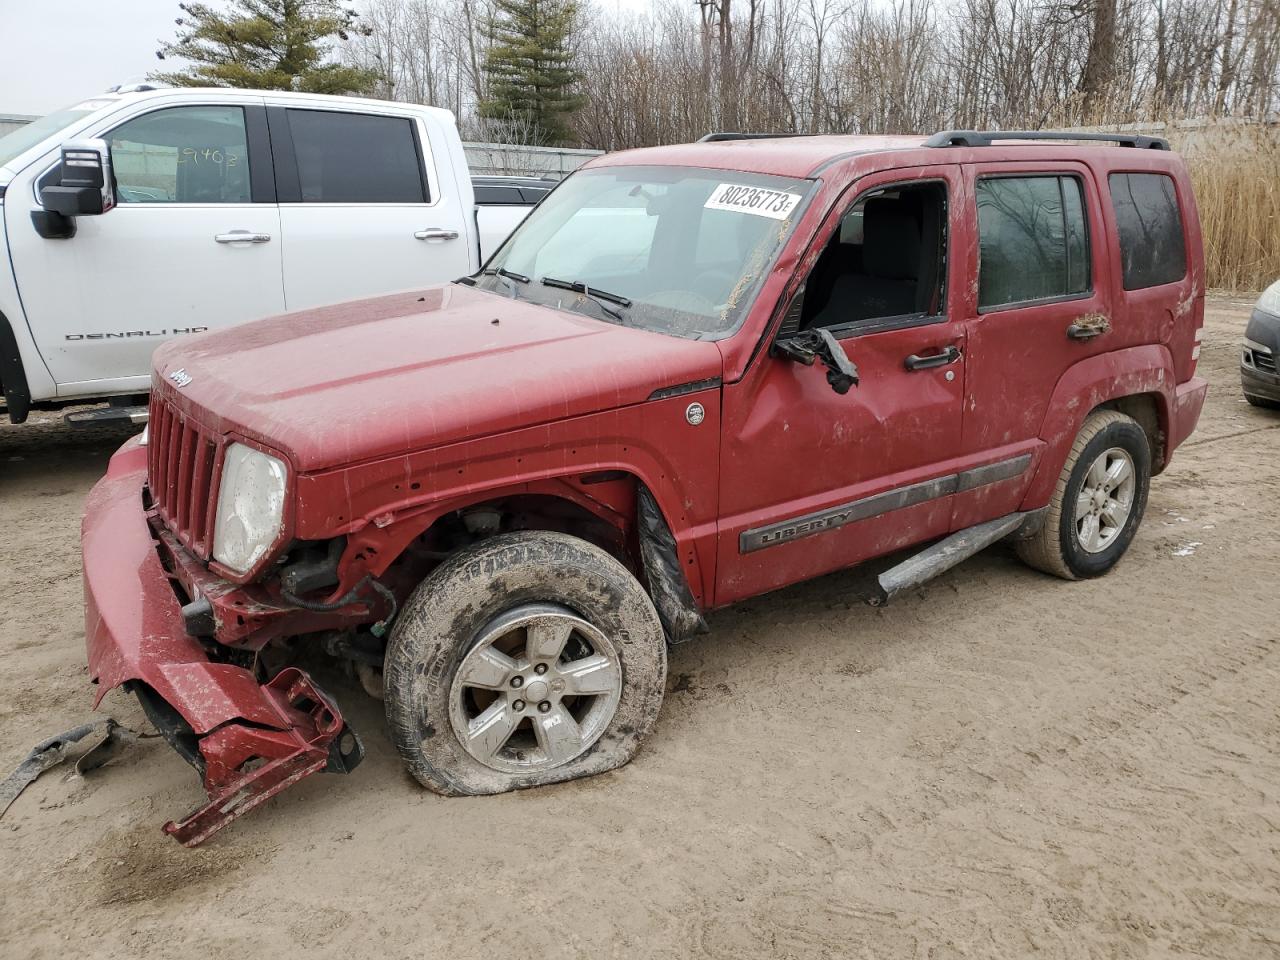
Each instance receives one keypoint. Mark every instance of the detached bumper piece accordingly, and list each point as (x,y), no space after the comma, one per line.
(248,740)
(245,766)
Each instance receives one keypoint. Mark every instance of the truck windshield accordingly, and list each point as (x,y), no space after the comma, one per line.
(685,248)
(30,134)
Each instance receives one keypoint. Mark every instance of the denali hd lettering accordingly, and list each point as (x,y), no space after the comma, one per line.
(783,361)
(125,334)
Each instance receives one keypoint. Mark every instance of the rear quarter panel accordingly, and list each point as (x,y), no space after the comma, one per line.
(1154,335)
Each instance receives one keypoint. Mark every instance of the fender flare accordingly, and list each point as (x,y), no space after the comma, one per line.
(668,587)
(1143,370)
(17,392)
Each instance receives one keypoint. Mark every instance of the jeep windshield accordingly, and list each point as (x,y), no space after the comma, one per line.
(685,248)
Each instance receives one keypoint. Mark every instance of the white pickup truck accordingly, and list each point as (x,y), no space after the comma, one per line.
(135,217)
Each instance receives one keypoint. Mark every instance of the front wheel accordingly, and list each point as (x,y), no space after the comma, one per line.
(1264,403)
(1098,503)
(531,658)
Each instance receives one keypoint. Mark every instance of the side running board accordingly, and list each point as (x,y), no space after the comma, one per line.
(945,554)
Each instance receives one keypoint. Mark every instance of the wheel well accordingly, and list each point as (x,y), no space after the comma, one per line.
(1143,408)
(534,512)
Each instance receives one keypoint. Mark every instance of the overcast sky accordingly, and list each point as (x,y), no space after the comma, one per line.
(54,53)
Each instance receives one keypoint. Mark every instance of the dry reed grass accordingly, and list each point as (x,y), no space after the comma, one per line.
(1237,184)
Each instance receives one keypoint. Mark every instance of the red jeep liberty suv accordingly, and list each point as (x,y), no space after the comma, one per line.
(693,375)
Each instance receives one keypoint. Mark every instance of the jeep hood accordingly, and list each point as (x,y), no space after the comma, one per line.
(381,377)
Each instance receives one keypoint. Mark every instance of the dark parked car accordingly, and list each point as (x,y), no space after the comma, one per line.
(1258,374)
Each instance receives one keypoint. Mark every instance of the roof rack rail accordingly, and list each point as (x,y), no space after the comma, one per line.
(976,138)
(718,137)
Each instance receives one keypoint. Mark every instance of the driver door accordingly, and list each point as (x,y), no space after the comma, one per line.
(192,244)
(812,480)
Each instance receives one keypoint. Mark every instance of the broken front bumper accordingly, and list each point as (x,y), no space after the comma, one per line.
(248,740)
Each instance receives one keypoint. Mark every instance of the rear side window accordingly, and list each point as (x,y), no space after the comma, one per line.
(356,158)
(1033,240)
(1153,249)
(486,194)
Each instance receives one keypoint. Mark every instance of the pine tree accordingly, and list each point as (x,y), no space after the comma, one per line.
(265,45)
(529,69)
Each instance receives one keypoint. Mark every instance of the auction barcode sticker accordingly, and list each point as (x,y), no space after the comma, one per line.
(755,200)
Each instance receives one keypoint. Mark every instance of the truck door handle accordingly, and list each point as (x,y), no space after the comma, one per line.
(1089,326)
(436,233)
(917,362)
(241,236)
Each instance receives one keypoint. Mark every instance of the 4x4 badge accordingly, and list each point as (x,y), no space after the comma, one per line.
(694,413)
(180,377)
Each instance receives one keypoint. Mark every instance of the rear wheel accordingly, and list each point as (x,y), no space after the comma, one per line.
(1098,503)
(531,658)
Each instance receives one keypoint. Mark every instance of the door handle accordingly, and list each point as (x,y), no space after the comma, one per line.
(436,233)
(241,236)
(917,362)
(1089,326)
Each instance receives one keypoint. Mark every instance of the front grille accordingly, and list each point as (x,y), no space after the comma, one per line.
(1265,362)
(183,460)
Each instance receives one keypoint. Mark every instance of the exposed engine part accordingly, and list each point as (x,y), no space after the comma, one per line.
(370,678)
(482,522)
(379,629)
(354,647)
(198,617)
(315,570)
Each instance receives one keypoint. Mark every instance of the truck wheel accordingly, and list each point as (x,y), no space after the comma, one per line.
(1261,402)
(1098,503)
(528,659)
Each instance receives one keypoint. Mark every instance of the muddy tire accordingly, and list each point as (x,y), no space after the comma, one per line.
(528,659)
(1098,503)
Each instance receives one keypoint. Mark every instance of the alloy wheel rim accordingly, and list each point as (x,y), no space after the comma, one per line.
(536,690)
(1105,500)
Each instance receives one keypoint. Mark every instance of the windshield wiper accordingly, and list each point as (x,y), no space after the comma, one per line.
(504,272)
(598,297)
(508,275)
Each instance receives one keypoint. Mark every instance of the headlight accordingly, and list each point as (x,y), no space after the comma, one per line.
(1269,302)
(250,507)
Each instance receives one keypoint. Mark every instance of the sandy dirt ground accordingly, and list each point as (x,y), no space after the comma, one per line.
(998,765)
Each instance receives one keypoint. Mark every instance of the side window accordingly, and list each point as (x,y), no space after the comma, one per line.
(356,158)
(1152,247)
(1033,240)
(182,155)
(487,195)
(887,258)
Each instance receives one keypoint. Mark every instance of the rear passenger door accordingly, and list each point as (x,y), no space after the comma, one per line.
(1040,276)
(363,209)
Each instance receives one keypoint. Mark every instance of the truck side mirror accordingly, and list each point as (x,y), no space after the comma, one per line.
(85,190)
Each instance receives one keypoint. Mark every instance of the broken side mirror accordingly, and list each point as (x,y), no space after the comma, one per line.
(818,344)
(86,189)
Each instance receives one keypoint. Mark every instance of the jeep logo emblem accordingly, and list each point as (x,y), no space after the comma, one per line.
(180,377)
(695,414)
